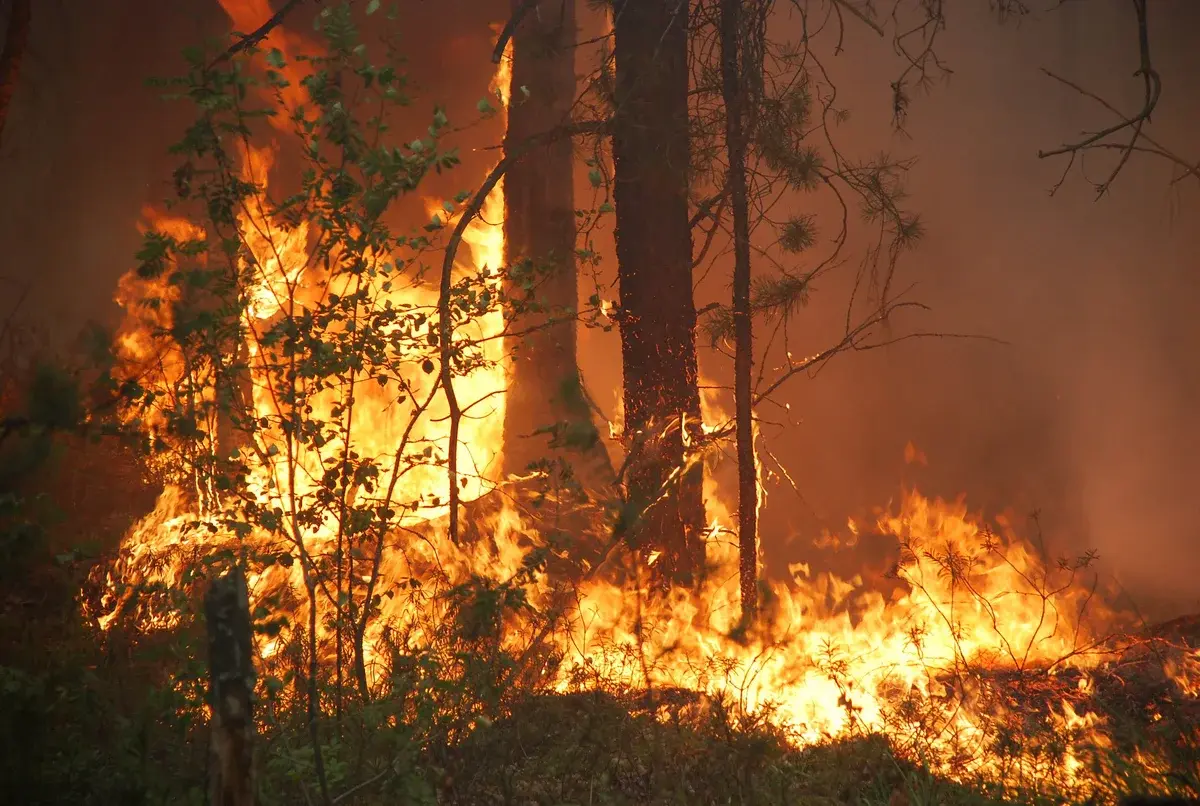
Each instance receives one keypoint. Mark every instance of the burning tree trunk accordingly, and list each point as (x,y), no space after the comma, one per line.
(231,687)
(732,84)
(654,256)
(545,390)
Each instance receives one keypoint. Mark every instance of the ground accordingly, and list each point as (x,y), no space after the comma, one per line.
(596,749)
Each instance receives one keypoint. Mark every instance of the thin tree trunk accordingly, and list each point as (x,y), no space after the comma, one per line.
(654,257)
(733,90)
(545,389)
(231,687)
(314,685)
(16,42)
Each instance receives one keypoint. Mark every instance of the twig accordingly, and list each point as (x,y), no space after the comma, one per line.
(862,16)
(259,34)
(1153,91)
(1158,149)
(360,786)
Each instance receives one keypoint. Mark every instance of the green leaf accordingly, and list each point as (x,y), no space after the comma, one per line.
(594,177)
(275,58)
(372,7)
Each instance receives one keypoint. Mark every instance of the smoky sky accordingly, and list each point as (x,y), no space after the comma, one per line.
(1085,412)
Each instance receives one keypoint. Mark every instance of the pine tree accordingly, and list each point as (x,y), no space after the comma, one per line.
(654,255)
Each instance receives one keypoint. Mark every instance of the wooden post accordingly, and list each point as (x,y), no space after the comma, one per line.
(231,690)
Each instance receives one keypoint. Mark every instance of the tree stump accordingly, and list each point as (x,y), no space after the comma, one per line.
(231,689)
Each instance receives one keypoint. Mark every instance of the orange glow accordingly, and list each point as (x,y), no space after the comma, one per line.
(248,16)
(832,656)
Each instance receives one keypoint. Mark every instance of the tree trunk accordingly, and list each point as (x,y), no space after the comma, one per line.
(16,42)
(545,390)
(231,687)
(733,90)
(654,262)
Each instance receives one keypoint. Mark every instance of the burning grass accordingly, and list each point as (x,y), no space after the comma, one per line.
(464,652)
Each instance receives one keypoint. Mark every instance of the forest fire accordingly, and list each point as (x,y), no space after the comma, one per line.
(921,660)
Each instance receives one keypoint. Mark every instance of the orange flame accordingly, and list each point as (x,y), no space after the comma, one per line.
(832,655)
(248,16)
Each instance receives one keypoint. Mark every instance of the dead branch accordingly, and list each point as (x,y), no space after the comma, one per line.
(256,37)
(1156,148)
(1134,124)
(862,16)
(854,338)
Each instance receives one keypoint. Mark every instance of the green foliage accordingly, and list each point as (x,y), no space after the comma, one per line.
(257,369)
(284,320)
(770,297)
(794,154)
(798,233)
(600,748)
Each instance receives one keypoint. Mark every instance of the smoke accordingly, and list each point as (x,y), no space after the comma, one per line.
(1084,413)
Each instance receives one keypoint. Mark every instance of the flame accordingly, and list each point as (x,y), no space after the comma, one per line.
(248,16)
(283,280)
(831,656)
(501,83)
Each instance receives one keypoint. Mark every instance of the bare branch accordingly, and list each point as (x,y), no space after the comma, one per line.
(259,34)
(862,16)
(1157,148)
(1134,124)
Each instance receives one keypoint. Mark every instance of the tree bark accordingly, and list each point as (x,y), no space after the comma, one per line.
(545,394)
(16,42)
(231,688)
(654,256)
(732,88)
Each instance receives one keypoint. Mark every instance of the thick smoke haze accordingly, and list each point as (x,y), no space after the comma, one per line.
(1085,412)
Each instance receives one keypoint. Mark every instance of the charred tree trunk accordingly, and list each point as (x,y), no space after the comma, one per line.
(231,688)
(654,257)
(16,42)
(545,390)
(733,90)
